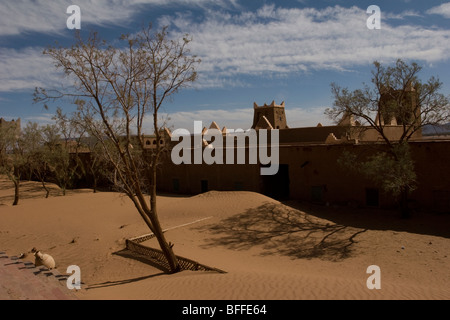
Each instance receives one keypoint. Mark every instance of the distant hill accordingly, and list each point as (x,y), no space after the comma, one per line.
(433,130)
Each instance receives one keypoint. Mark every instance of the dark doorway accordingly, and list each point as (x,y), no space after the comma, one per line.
(277,186)
(204,186)
(372,197)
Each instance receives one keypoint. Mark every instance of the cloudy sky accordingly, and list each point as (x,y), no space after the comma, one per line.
(251,51)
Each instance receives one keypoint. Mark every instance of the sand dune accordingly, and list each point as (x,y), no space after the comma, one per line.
(270,250)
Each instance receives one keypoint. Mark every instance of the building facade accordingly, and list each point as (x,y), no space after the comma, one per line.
(308,167)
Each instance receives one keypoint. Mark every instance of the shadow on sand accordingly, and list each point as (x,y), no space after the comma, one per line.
(121,282)
(303,230)
(425,223)
(125,253)
(281,229)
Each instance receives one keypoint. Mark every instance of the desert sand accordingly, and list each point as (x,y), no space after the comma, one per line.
(269,250)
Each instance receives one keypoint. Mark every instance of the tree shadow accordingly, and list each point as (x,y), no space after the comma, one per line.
(121,282)
(283,230)
(426,223)
(125,253)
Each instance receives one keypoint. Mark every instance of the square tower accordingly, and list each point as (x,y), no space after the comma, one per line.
(269,116)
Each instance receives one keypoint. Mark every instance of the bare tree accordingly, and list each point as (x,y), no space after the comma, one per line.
(115,88)
(397,97)
(36,155)
(12,158)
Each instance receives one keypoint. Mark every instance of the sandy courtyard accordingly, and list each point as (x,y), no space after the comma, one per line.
(269,250)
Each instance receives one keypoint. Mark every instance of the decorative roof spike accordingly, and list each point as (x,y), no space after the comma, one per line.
(331,138)
(214,126)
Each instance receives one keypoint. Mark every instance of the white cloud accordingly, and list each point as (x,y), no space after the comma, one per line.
(20,16)
(443,10)
(269,42)
(307,117)
(26,69)
(43,119)
(242,118)
(273,41)
(231,118)
(401,16)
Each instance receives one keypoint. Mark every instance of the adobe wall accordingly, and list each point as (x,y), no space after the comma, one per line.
(226,177)
(314,175)
(392,132)
(432,163)
(310,135)
(12,123)
(316,166)
(316,135)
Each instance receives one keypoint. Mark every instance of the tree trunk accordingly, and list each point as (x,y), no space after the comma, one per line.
(16,192)
(46,189)
(172,260)
(94,177)
(165,247)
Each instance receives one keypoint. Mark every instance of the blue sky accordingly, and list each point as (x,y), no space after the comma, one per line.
(251,51)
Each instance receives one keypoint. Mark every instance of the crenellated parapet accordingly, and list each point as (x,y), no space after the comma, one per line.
(16,124)
(270,116)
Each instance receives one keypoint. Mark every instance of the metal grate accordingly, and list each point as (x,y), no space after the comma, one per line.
(135,245)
